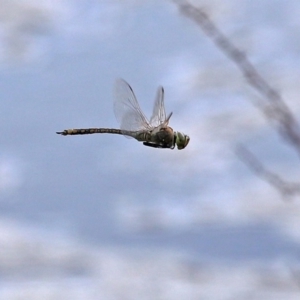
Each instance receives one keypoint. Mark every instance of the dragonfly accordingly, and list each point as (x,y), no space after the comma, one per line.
(133,123)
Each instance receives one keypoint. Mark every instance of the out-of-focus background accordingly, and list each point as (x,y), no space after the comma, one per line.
(102,216)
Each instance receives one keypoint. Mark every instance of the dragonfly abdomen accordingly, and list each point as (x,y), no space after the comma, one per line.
(89,131)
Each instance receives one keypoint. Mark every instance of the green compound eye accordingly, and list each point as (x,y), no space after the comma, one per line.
(182,140)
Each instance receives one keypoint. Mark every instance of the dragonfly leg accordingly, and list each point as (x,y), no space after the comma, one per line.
(164,146)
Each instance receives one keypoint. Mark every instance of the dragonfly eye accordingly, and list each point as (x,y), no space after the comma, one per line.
(181,140)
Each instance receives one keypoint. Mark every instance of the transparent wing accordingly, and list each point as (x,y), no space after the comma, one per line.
(127,109)
(159,114)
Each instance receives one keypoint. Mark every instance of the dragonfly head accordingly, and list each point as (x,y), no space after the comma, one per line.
(181,140)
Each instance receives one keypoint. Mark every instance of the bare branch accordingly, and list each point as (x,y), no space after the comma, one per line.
(276,110)
(295,273)
(286,189)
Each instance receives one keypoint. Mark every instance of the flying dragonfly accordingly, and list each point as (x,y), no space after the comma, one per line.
(134,124)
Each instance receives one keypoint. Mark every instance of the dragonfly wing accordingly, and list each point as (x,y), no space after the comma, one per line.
(127,109)
(159,113)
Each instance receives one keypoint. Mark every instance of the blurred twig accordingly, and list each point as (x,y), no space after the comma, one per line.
(295,273)
(275,110)
(286,189)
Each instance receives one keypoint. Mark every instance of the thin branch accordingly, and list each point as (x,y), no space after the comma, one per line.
(286,189)
(276,110)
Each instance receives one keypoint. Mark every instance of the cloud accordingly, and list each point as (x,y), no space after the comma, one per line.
(22,24)
(28,29)
(10,175)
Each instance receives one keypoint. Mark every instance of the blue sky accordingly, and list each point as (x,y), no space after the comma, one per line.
(80,208)
(59,61)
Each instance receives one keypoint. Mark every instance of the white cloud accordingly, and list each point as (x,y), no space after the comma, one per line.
(23,23)
(43,265)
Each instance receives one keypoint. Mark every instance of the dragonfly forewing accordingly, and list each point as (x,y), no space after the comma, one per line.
(127,109)
(158,114)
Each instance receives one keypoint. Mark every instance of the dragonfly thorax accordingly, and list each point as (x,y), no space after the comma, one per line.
(164,136)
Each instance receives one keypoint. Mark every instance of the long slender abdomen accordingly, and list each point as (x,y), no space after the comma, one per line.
(90,131)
